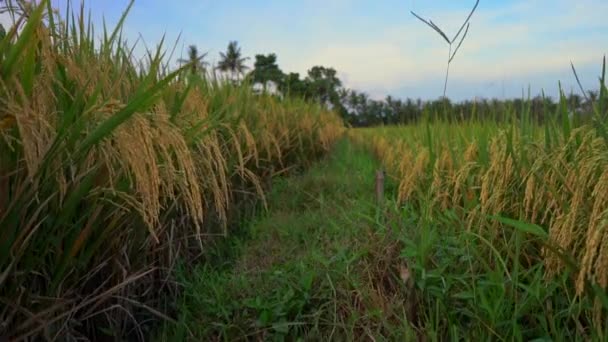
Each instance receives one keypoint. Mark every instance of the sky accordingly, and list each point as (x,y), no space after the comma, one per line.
(378,47)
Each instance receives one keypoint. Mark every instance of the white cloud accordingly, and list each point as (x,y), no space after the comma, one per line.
(544,38)
(519,40)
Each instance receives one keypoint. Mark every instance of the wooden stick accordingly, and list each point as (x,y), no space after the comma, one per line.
(379,186)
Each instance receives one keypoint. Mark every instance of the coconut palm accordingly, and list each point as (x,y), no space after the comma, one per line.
(232,61)
(196,61)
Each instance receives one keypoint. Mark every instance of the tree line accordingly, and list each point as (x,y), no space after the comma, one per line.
(321,84)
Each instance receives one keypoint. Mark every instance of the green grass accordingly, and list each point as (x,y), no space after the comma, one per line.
(315,265)
(461,293)
(490,277)
(325,263)
(486,245)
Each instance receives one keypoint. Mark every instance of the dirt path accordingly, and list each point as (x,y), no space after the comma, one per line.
(317,265)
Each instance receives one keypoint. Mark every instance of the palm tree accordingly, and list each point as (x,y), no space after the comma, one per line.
(196,62)
(232,62)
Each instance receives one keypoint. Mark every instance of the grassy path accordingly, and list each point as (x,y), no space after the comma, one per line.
(317,265)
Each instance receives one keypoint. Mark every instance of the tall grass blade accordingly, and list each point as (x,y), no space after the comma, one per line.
(465,23)
(433,26)
(578,81)
(141,100)
(523,226)
(26,37)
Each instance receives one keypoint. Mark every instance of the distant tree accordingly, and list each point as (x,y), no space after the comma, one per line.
(395,110)
(575,101)
(358,108)
(410,112)
(361,106)
(232,61)
(597,100)
(323,85)
(537,104)
(195,61)
(266,70)
(2,32)
(292,85)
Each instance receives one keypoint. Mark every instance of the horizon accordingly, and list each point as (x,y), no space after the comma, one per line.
(381,49)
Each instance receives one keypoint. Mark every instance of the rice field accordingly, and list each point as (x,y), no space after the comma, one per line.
(141,201)
(528,198)
(113,169)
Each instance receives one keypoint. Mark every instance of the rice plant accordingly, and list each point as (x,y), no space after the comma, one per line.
(113,168)
(533,194)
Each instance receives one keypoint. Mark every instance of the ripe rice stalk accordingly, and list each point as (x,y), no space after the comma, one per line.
(113,168)
(557,188)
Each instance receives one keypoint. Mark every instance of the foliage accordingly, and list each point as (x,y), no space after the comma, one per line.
(292,86)
(511,222)
(317,266)
(323,84)
(361,111)
(113,170)
(232,61)
(195,61)
(266,70)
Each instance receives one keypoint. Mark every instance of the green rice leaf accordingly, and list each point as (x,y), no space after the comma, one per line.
(522,226)
(139,102)
(25,38)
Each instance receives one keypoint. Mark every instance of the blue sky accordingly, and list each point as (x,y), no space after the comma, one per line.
(378,47)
